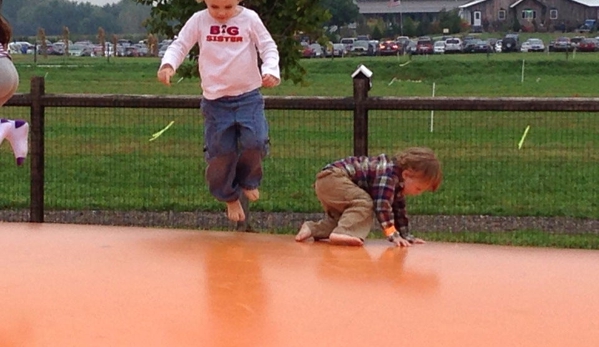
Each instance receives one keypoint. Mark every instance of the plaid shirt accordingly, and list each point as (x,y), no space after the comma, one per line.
(381,178)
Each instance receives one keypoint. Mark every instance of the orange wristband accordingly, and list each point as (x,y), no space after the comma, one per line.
(390,230)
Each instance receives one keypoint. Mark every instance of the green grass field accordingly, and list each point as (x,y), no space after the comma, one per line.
(102,159)
(454,75)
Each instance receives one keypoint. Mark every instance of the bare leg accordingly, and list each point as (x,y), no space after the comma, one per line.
(245,225)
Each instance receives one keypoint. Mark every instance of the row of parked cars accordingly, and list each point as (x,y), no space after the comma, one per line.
(123,48)
(509,43)
(447,45)
(340,49)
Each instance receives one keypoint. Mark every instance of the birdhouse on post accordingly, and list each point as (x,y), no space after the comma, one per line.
(362,84)
(362,73)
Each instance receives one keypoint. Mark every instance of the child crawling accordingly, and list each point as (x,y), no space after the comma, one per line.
(350,189)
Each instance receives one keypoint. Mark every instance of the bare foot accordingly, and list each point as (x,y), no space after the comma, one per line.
(304,233)
(235,211)
(345,240)
(252,194)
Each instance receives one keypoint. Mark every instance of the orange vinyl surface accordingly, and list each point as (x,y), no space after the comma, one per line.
(79,285)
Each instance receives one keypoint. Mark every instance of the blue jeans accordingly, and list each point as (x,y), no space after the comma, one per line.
(236,141)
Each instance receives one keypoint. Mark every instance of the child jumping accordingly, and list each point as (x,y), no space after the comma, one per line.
(15,131)
(230,37)
(350,190)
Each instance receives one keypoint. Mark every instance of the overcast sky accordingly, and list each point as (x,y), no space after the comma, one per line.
(98,2)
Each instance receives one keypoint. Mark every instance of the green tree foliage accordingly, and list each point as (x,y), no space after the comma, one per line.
(342,11)
(424,27)
(376,33)
(284,19)
(26,16)
(450,20)
(409,27)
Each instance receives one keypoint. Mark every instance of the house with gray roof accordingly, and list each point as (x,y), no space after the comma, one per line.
(414,8)
(492,15)
(531,15)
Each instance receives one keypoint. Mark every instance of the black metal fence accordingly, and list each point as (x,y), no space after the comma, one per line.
(91,152)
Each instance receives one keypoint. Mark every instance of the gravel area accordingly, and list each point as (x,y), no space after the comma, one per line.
(266,221)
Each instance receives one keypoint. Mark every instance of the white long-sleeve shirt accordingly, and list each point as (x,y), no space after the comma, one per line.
(228,60)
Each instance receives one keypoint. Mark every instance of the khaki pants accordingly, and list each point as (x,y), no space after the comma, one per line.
(9,80)
(348,208)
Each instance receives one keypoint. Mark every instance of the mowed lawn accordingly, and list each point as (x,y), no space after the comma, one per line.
(102,158)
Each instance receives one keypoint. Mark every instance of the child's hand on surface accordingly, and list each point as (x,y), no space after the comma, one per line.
(401,242)
(165,73)
(418,241)
(269,81)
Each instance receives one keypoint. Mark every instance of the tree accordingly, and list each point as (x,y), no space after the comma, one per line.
(450,20)
(424,27)
(342,11)
(284,19)
(409,27)
(376,33)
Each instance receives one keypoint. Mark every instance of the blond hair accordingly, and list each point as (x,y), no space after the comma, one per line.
(423,163)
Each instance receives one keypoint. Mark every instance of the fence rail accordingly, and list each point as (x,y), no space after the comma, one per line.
(363,128)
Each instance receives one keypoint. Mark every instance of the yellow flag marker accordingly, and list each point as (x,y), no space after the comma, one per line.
(157,135)
(523,137)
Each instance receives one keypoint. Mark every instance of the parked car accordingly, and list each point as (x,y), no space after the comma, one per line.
(127,51)
(498,46)
(562,44)
(22,47)
(142,49)
(361,48)
(410,47)
(306,51)
(439,47)
(348,42)
(477,46)
(389,47)
(483,46)
(588,26)
(533,45)
(403,42)
(374,46)
(453,45)
(510,43)
(336,50)
(470,45)
(492,42)
(424,45)
(588,45)
(317,51)
(79,50)
(576,40)
(162,50)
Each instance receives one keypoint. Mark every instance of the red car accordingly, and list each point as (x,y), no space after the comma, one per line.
(424,45)
(306,50)
(389,47)
(588,45)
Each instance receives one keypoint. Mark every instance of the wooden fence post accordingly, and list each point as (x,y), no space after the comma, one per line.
(362,85)
(36,207)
